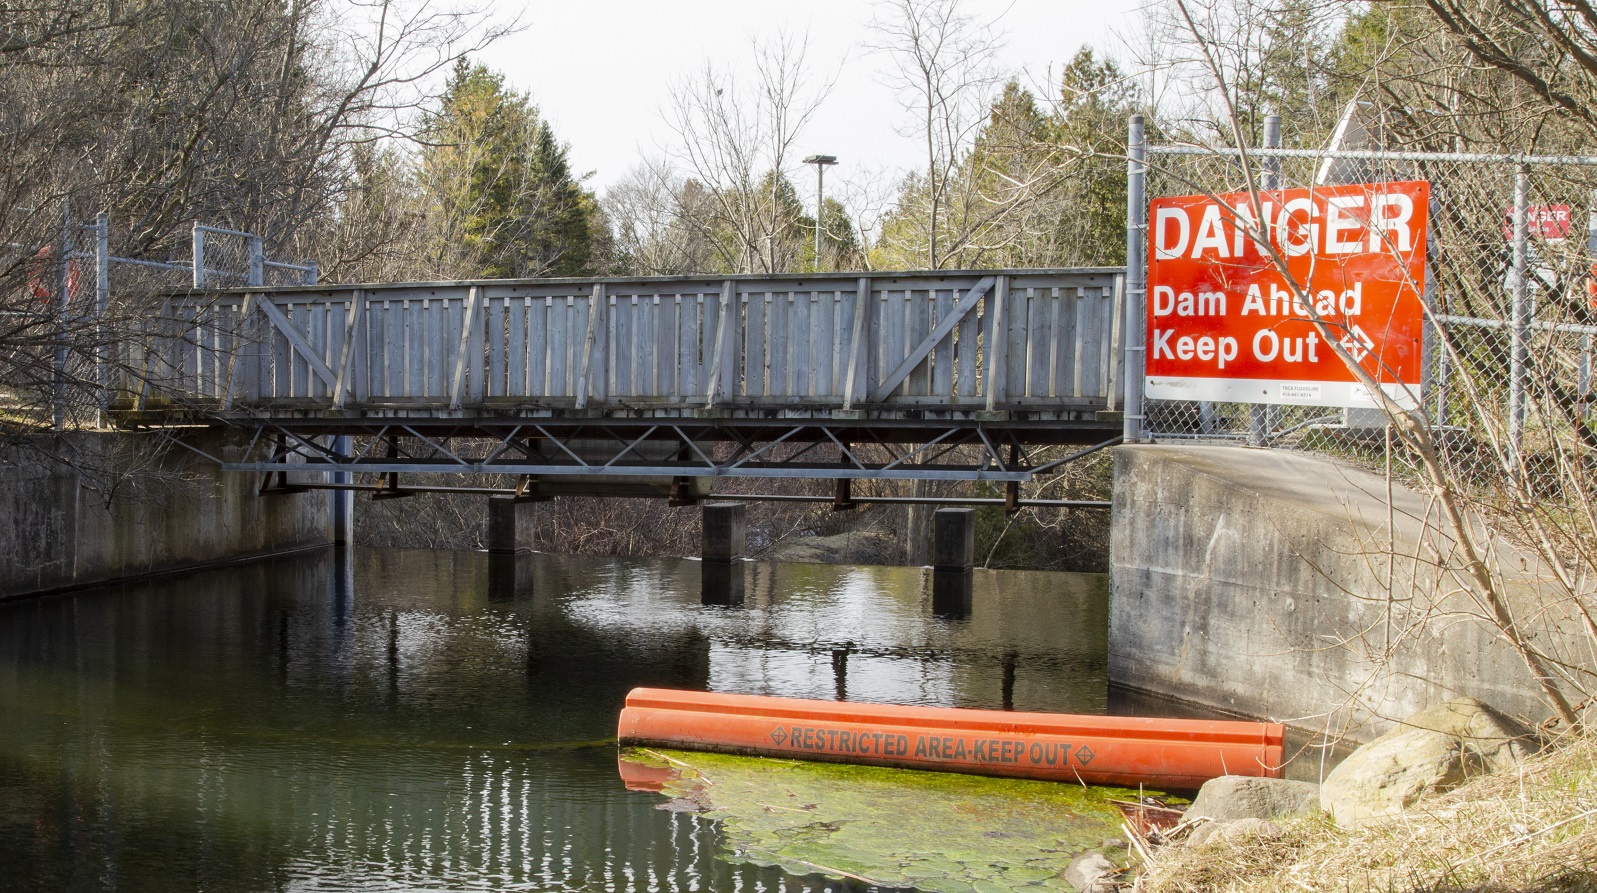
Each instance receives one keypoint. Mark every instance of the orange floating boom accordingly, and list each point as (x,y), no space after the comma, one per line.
(1164,753)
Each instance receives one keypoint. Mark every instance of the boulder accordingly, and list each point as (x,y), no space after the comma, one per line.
(1091,873)
(1232,797)
(1200,835)
(1248,827)
(1433,750)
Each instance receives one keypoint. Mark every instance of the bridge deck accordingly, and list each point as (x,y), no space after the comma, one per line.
(1007,356)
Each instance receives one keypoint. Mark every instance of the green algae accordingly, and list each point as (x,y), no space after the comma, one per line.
(933,831)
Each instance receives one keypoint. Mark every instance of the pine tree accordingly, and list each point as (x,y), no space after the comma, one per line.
(499,187)
(1095,99)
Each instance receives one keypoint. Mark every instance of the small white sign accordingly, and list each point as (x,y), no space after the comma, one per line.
(1292,392)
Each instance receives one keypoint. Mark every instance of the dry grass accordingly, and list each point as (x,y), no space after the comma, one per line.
(1530,830)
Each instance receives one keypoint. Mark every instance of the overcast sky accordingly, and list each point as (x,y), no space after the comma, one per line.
(601,70)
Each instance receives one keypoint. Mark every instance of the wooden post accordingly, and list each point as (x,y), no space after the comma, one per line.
(997,344)
(857,355)
(591,346)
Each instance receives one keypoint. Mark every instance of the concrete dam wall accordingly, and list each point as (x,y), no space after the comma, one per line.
(1256,581)
(92,507)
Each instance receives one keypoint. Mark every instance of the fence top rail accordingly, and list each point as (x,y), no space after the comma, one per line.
(953,277)
(1568,328)
(224,231)
(1376,155)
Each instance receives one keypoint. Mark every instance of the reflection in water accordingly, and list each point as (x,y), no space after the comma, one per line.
(723,583)
(952,596)
(382,719)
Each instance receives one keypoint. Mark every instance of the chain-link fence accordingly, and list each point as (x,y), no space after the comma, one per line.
(1511,313)
(227,258)
(78,298)
(1497,424)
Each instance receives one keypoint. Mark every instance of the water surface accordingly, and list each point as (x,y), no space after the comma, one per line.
(389,719)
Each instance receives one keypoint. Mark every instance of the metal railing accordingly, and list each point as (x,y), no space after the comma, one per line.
(1044,341)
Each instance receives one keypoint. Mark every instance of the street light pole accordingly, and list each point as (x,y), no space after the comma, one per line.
(821,162)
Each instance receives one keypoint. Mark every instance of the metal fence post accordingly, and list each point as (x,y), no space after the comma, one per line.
(199,256)
(312,272)
(63,298)
(102,305)
(1259,415)
(1519,330)
(1434,362)
(256,276)
(1583,377)
(1136,337)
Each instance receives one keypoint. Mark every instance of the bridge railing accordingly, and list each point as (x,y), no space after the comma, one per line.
(964,341)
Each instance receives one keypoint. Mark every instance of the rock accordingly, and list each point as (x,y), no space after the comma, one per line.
(1091,873)
(1232,797)
(1247,827)
(1199,835)
(1433,750)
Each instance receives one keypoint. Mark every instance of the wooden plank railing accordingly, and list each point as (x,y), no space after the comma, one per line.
(973,340)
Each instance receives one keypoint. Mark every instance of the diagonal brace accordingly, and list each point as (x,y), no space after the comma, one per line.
(944,326)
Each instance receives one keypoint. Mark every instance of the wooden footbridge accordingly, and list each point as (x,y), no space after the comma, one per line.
(938,375)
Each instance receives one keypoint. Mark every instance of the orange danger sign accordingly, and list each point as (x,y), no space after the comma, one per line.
(1225,325)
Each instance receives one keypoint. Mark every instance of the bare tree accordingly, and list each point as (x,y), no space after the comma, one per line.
(736,141)
(1550,46)
(944,69)
(241,114)
(657,217)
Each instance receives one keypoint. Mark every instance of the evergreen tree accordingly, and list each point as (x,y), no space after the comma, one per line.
(1095,100)
(1038,188)
(499,187)
(1294,68)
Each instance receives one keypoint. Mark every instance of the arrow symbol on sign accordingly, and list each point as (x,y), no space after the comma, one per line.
(1357,343)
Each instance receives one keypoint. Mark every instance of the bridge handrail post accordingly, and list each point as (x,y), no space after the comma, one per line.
(997,344)
(1136,288)
(591,344)
(858,358)
(720,359)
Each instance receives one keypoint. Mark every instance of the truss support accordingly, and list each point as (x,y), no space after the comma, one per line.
(676,458)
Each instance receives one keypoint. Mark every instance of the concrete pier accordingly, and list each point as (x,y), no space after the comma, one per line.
(510,525)
(726,530)
(341,503)
(954,539)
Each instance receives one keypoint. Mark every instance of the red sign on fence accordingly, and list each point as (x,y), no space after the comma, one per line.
(1547,222)
(1225,325)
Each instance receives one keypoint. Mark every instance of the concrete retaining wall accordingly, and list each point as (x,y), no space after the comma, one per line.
(1255,581)
(120,506)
